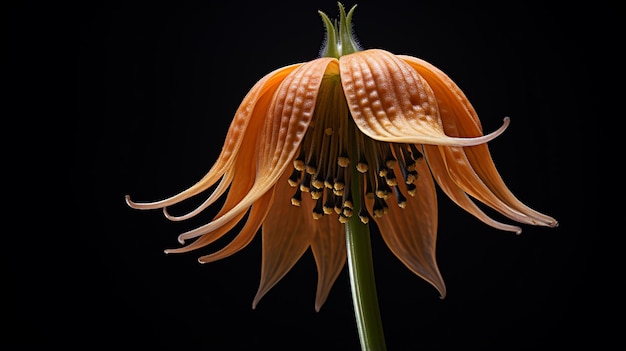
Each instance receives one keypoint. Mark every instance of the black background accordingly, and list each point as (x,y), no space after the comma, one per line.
(153,88)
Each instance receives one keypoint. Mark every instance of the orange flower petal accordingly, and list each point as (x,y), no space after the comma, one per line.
(258,213)
(207,238)
(460,119)
(278,140)
(247,120)
(329,251)
(456,194)
(287,233)
(411,232)
(390,101)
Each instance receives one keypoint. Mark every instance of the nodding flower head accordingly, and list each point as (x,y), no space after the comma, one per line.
(394,124)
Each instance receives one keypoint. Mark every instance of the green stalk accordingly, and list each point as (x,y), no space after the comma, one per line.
(361,271)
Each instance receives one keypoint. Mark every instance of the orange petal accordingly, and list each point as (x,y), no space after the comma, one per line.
(329,251)
(460,119)
(258,213)
(390,101)
(411,232)
(456,194)
(208,238)
(239,188)
(247,120)
(287,233)
(278,140)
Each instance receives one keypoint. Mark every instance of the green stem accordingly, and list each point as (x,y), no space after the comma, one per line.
(361,271)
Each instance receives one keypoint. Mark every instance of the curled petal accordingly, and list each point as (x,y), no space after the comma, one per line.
(215,194)
(411,232)
(456,194)
(278,139)
(258,213)
(390,101)
(247,119)
(207,238)
(460,119)
(287,233)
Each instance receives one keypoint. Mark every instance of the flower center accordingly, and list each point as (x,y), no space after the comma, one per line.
(333,148)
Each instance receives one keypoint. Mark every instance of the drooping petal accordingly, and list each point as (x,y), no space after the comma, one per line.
(411,232)
(278,140)
(460,119)
(329,251)
(208,238)
(248,118)
(286,235)
(219,190)
(456,194)
(244,166)
(258,213)
(457,166)
(390,101)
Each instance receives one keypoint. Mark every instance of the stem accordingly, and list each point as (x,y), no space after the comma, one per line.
(361,271)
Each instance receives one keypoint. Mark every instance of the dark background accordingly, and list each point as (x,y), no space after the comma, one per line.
(153,88)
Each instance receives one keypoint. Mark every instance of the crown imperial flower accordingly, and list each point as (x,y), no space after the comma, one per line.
(352,133)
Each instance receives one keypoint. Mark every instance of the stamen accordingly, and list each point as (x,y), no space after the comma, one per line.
(411,177)
(316,193)
(318,211)
(305,184)
(294,178)
(369,184)
(329,205)
(362,165)
(298,163)
(337,207)
(400,155)
(296,199)
(383,190)
(363,215)
(311,165)
(390,178)
(343,218)
(339,183)
(400,197)
(411,189)
(380,207)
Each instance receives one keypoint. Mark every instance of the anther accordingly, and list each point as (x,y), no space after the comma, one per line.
(311,167)
(329,204)
(362,166)
(383,190)
(363,215)
(390,178)
(318,182)
(400,197)
(294,178)
(316,193)
(343,160)
(343,218)
(298,163)
(411,189)
(380,207)
(318,211)
(411,177)
(296,199)
(337,206)
(305,184)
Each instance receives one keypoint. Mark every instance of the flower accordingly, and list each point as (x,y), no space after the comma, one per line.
(366,127)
